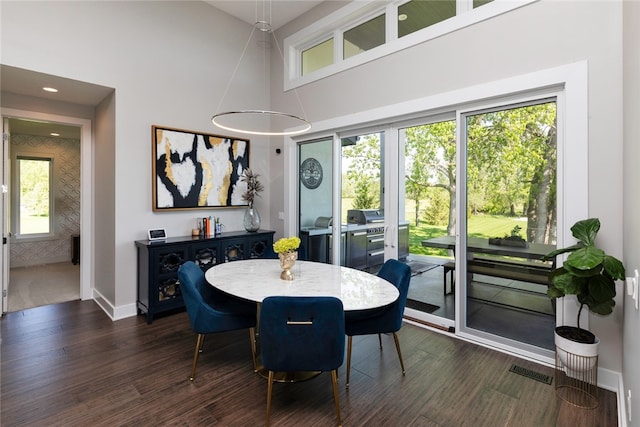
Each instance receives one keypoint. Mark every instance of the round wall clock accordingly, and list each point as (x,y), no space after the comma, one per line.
(311,173)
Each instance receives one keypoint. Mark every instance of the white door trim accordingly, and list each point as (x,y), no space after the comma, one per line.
(4,206)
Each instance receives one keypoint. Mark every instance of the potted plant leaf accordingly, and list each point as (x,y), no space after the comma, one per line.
(513,239)
(589,274)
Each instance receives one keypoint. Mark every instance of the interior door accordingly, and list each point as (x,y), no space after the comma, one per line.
(4,213)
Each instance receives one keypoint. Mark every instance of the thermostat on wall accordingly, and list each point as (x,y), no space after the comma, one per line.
(157,234)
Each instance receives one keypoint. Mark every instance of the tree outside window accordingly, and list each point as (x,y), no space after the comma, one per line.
(34,180)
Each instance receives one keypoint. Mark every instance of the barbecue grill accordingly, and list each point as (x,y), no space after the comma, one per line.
(365,240)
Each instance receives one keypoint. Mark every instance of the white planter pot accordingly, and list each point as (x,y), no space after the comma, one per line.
(576,357)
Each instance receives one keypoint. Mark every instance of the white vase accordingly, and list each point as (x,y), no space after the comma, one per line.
(575,356)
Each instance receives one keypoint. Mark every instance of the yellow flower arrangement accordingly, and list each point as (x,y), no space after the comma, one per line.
(286,244)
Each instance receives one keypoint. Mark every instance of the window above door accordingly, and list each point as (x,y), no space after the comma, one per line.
(366,30)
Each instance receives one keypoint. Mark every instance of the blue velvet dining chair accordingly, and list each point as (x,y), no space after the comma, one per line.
(302,334)
(385,320)
(210,310)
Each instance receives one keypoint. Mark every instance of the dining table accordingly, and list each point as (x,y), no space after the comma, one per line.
(256,279)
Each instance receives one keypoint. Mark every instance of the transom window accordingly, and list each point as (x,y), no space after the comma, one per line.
(364,37)
(416,15)
(318,56)
(366,30)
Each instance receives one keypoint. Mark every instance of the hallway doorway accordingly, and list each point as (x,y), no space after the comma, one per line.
(39,258)
(44,211)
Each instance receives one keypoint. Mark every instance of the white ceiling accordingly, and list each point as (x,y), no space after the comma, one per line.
(30,83)
(276,12)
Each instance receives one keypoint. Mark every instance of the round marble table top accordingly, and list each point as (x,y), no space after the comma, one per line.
(257,279)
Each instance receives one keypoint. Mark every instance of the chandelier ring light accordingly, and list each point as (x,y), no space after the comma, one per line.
(299,124)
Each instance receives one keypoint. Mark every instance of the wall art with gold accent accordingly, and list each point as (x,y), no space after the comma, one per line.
(194,170)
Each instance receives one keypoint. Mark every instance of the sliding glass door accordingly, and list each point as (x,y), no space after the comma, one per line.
(315,199)
(363,215)
(466,198)
(427,211)
(510,221)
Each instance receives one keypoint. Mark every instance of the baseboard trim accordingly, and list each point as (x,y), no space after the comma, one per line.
(124,311)
(114,312)
(622,403)
(103,303)
(609,380)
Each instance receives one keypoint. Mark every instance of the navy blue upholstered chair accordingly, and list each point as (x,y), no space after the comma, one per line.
(302,334)
(385,320)
(211,311)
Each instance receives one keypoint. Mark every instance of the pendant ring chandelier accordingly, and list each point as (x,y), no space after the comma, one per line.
(258,121)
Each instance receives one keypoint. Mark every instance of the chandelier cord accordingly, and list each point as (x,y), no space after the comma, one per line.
(264,26)
(284,70)
(233,75)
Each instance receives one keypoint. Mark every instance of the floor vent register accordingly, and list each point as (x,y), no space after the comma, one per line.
(547,379)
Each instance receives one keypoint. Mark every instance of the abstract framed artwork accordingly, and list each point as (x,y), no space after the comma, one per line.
(194,170)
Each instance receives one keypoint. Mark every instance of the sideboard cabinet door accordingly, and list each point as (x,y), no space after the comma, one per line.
(234,250)
(258,246)
(206,254)
(158,270)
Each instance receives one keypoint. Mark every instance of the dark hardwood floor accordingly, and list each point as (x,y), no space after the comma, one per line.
(69,365)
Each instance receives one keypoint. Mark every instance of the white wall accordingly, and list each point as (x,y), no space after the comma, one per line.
(104,190)
(541,35)
(169,63)
(631,82)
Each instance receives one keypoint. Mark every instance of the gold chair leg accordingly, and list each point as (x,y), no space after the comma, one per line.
(349,341)
(395,338)
(269,389)
(252,338)
(199,344)
(336,399)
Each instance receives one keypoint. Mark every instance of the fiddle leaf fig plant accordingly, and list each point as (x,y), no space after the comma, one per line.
(588,272)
